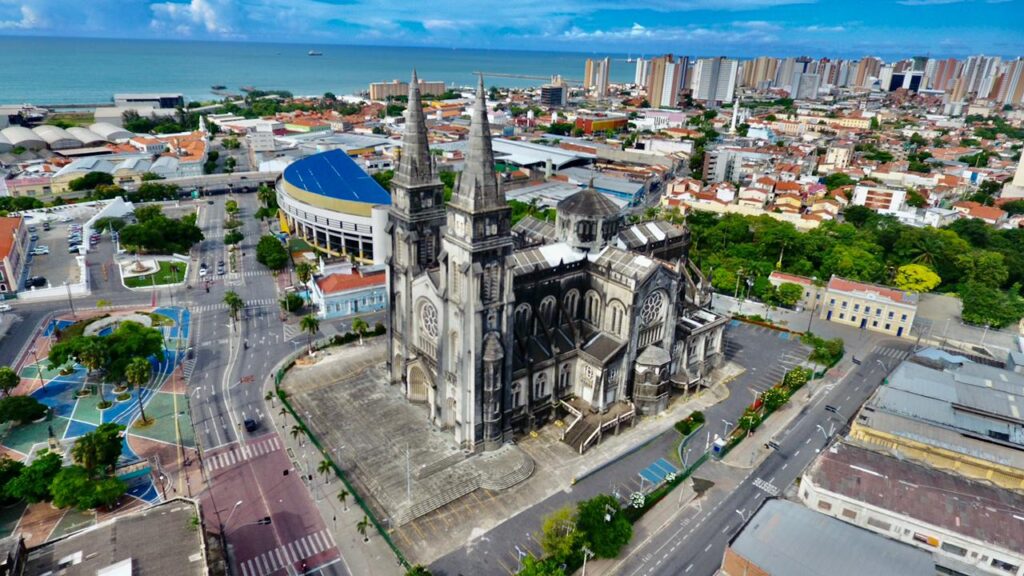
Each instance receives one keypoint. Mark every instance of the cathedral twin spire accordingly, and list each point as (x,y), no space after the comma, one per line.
(477,187)
(415,167)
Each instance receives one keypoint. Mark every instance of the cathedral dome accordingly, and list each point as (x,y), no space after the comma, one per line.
(590,203)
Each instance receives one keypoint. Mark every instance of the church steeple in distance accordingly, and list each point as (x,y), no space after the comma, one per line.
(415,166)
(477,189)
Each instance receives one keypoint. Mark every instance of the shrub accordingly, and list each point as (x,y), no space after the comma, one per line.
(796,378)
(21,409)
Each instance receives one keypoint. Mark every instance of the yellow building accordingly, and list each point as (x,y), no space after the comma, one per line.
(869,306)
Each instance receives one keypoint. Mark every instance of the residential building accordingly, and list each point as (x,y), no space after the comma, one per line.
(385,90)
(14,242)
(165,539)
(806,88)
(987,214)
(640,76)
(596,74)
(967,527)
(783,538)
(883,200)
(592,123)
(837,156)
(869,306)
(665,76)
(714,79)
(342,290)
(811,297)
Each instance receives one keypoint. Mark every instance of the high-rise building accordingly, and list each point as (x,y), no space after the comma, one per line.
(807,87)
(714,79)
(1011,83)
(758,71)
(385,90)
(665,75)
(868,69)
(554,95)
(640,77)
(596,74)
(946,72)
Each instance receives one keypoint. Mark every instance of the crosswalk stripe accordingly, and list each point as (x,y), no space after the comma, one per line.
(330,539)
(245,571)
(316,543)
(287,557)
(305,547)
(296,551)
(272,560)
(323,536)
(277,552)
(264,568)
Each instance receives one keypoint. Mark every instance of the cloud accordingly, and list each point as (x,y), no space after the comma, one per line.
(440,24)
(928,2)
(210,16)
(29,20)
(816,28)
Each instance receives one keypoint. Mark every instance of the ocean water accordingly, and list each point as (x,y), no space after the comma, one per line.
(75,70)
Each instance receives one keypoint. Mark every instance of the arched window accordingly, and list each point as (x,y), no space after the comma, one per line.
(563,378)
(547,310)
(592,308)
(540,384)
(522,318)
(615,320)
(572,300)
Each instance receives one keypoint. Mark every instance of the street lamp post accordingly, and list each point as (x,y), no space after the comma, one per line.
(587,553)
(71,304)
(725,427)
(224,525)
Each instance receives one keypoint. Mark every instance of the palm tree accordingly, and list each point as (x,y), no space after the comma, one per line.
(310,324)
(359,326)
(304,272)
(324,467)
(269,396)
(362,526)
(101,304)
(296,430)
(234,303)
(265,194)
(343,498)
(92,356)
(138,372)
(84,451)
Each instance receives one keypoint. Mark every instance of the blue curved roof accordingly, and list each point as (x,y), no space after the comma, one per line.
(334,175)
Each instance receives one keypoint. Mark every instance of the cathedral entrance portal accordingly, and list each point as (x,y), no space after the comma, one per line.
(418,384)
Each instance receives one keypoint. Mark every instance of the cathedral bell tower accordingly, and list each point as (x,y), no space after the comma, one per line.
(415,221)
(477,247)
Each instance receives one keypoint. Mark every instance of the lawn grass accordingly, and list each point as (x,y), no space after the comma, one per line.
(164,276)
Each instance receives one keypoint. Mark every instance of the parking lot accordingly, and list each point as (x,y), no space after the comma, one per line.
(58,266)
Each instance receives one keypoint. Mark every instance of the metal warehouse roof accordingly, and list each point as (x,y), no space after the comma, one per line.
(334,175)
(110,132)
(21,136)
(787,538)
(88,137)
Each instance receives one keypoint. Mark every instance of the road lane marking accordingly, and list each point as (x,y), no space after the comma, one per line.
(708,547)
(726,529)
(688,568)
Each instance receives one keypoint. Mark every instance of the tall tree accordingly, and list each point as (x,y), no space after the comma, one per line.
(9,380)
(324,467)
(360,327)
(309,324)
(362,526)
(138,373)
(916,278)
(234,303)
(304,272)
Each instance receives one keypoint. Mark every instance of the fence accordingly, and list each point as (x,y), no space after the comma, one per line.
(285,365)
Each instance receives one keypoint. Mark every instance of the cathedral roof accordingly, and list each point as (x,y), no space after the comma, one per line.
(588,202)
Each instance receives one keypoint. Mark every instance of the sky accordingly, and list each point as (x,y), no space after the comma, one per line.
(742,28)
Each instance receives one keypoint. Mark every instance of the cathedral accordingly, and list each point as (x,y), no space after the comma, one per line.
(500,329)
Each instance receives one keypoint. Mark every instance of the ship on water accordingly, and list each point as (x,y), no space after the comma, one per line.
(315,53)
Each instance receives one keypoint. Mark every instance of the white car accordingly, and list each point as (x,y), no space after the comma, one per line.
(5,307)
(41,250)
(202,272)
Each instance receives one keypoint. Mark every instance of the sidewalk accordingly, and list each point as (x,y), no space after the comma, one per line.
(358,557)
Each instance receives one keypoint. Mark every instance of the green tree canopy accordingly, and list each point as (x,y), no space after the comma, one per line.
(271,253)
(9,470)
(156,233)
(604,528)
(985,305)
(21,409)
(90,181)
(559,538)
(33,484)
(789,293)
(916,278)
(99,450)
(9,379)
(73,486)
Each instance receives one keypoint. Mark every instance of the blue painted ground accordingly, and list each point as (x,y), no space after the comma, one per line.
(145,491)
(56,325)
(656,472)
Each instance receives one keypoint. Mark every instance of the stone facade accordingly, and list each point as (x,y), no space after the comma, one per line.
(494,326)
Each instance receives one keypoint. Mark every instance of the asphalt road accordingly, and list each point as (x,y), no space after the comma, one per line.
(766,357)
(694,541)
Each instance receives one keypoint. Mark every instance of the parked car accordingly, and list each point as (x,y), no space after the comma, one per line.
(46,225)
(39,250)
(202,272)
(36,281)
(31,228)
(73,249)
(34,237)
(5,307)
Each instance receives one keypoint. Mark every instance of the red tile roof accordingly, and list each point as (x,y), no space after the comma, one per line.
(844,285)
(342,282)
(8,232)
(795,279)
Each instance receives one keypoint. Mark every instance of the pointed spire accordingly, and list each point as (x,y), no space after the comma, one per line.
(477,188)
(414,165)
